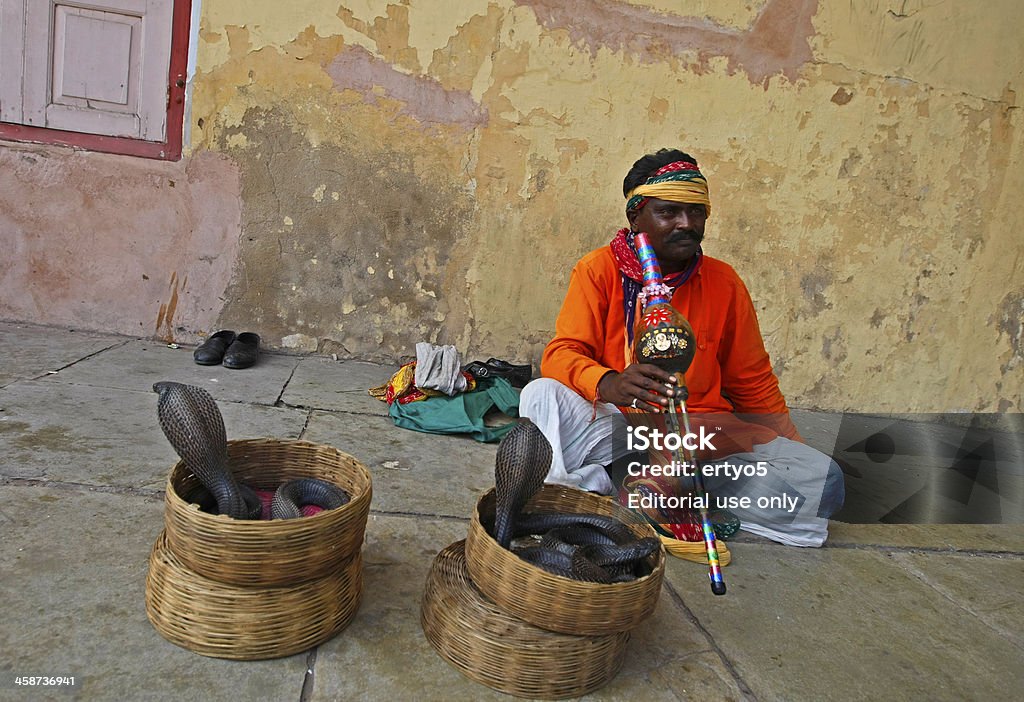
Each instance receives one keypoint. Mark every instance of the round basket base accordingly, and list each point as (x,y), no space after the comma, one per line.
(247,623)
(504,653)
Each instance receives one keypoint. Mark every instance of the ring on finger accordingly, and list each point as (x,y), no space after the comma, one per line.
(633,403)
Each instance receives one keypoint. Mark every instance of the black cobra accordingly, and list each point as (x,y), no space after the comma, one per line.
(192,422)
(589,547)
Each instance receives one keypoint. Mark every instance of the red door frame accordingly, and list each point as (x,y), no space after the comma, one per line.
(169,150)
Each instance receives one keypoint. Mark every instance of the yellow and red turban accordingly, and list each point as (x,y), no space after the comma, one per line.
(680,181)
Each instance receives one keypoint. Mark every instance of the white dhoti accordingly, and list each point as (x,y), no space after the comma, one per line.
(790,499)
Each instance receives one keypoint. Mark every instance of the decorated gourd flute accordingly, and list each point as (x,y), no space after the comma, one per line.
(665,339)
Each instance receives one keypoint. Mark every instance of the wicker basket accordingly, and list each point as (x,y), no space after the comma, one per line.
(247,623)
(495,649)
(551,601)
(274,552)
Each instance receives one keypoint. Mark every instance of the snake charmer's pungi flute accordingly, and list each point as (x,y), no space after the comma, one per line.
(666,339)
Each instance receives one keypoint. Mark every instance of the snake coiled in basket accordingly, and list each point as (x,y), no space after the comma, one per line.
(193,424)
(588,547)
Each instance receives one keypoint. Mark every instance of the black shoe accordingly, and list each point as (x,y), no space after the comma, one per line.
(243,352)
(478,369)
(211,352)
(517,376)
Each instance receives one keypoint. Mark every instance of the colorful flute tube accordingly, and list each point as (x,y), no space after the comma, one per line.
(710,542)
(653,283)
(666,339)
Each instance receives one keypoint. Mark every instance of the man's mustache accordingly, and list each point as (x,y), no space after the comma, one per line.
(686,235)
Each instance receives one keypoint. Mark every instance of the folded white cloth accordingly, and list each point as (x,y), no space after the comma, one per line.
(439,368)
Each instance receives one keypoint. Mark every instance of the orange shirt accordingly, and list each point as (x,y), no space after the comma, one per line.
(731,371)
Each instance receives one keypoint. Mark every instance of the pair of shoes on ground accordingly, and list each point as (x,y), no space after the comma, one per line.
(230,349)
(517,376)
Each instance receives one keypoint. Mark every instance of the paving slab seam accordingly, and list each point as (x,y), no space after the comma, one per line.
(83,358)
(886,547)
(48,373)
(419,515)
(952,550)
(923,578)
(745,690)
(305,424)
(284,386)
(79,384)
(82,487)
(309,679)
(326,410)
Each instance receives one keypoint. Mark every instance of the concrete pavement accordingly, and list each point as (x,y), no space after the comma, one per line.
(882,612)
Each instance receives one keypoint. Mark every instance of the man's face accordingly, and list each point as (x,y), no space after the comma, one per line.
(675,229)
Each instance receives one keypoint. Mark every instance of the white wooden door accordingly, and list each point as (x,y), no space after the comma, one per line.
(91,66)
(12,58)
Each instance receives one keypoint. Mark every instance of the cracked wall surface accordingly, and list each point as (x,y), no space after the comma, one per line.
(372,174)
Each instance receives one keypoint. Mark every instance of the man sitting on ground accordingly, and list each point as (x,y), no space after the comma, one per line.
(591,379)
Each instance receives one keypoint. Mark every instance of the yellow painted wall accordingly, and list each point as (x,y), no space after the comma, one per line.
(430,170)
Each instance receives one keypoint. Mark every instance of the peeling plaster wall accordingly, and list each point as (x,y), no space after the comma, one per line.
(375,174)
